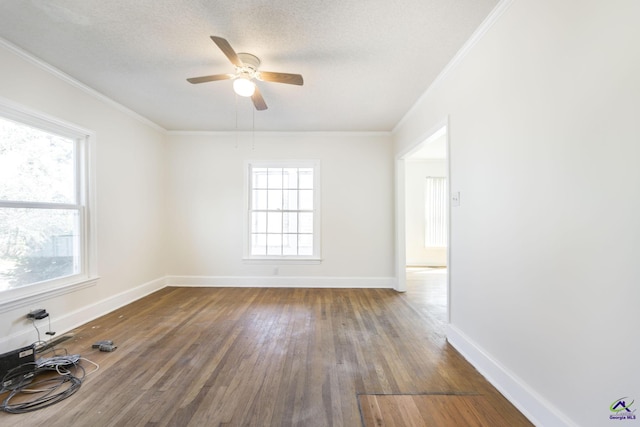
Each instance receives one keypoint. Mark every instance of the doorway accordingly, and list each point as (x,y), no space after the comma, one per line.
(422,209)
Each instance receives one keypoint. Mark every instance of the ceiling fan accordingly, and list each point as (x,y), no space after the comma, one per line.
(246,71)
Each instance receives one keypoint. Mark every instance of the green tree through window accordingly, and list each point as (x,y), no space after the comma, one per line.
(40,214)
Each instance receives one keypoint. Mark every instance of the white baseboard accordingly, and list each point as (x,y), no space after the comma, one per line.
(93,311)
(538,410)
(65,323)
(282,281)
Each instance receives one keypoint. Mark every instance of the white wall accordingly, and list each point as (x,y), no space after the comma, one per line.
(173,213)
(544,148)
(206,184)
(130,184)
(416,173)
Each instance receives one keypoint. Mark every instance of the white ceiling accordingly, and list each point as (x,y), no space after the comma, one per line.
(364,63)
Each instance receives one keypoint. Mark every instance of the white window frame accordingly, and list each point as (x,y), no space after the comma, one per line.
(315,258)
(85,166)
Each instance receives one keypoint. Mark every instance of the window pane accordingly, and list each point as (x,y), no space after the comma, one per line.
(274,244)
(258,244)
(306,178)
(275,200)
(259,201)
(290,202)
(259,222)
(306,200)
(290,176)
(305,244)
(275,178)
(290,222)
(305,222)
(290,244)
(35,166)
(436,212)
(274,222)
(259,177)
(38,245)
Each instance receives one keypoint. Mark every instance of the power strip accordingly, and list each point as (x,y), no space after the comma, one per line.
(104,345)
(57,361)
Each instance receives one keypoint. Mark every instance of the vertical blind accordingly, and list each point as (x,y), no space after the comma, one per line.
(436,212)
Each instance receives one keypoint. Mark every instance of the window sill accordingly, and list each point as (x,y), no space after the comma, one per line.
(15,298)
(282,261)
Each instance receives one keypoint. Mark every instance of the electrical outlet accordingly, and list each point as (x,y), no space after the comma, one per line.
(455,199)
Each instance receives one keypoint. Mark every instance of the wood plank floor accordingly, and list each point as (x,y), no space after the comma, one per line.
(263,357)
(432,410)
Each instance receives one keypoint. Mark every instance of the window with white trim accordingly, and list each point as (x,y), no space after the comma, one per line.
(44,224)
(436,212)
(283,215)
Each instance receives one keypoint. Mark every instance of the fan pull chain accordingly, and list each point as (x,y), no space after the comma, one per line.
(253,129)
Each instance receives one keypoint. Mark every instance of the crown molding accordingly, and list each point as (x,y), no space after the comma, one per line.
(477,35)
(75,83)
(275,133)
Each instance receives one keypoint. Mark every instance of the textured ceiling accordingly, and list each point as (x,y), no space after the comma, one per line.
(364,63)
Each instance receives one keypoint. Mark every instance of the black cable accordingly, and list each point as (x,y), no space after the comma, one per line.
(41,344)
(44,401)
(50,394)
(33,321)
(23,372)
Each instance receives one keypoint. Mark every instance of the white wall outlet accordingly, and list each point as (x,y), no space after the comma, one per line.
(455,199)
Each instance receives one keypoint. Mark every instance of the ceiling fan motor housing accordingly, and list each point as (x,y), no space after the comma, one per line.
(250,64)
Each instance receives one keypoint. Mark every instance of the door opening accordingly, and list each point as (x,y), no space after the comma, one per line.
(423,203)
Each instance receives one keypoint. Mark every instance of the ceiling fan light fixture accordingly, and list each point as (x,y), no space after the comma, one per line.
(244,87)
(246,73)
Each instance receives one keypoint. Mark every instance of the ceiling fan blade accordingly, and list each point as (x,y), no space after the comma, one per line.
(226,48)
(212,78)
(258,100)
(292,79)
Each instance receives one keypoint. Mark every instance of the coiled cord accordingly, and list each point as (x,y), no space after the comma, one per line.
(49,390)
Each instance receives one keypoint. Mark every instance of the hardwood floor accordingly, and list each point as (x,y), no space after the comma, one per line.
(415,410)
(263,357)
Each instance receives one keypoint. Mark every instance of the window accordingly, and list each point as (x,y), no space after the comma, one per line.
(44,227)
(283,210)
(436,212)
